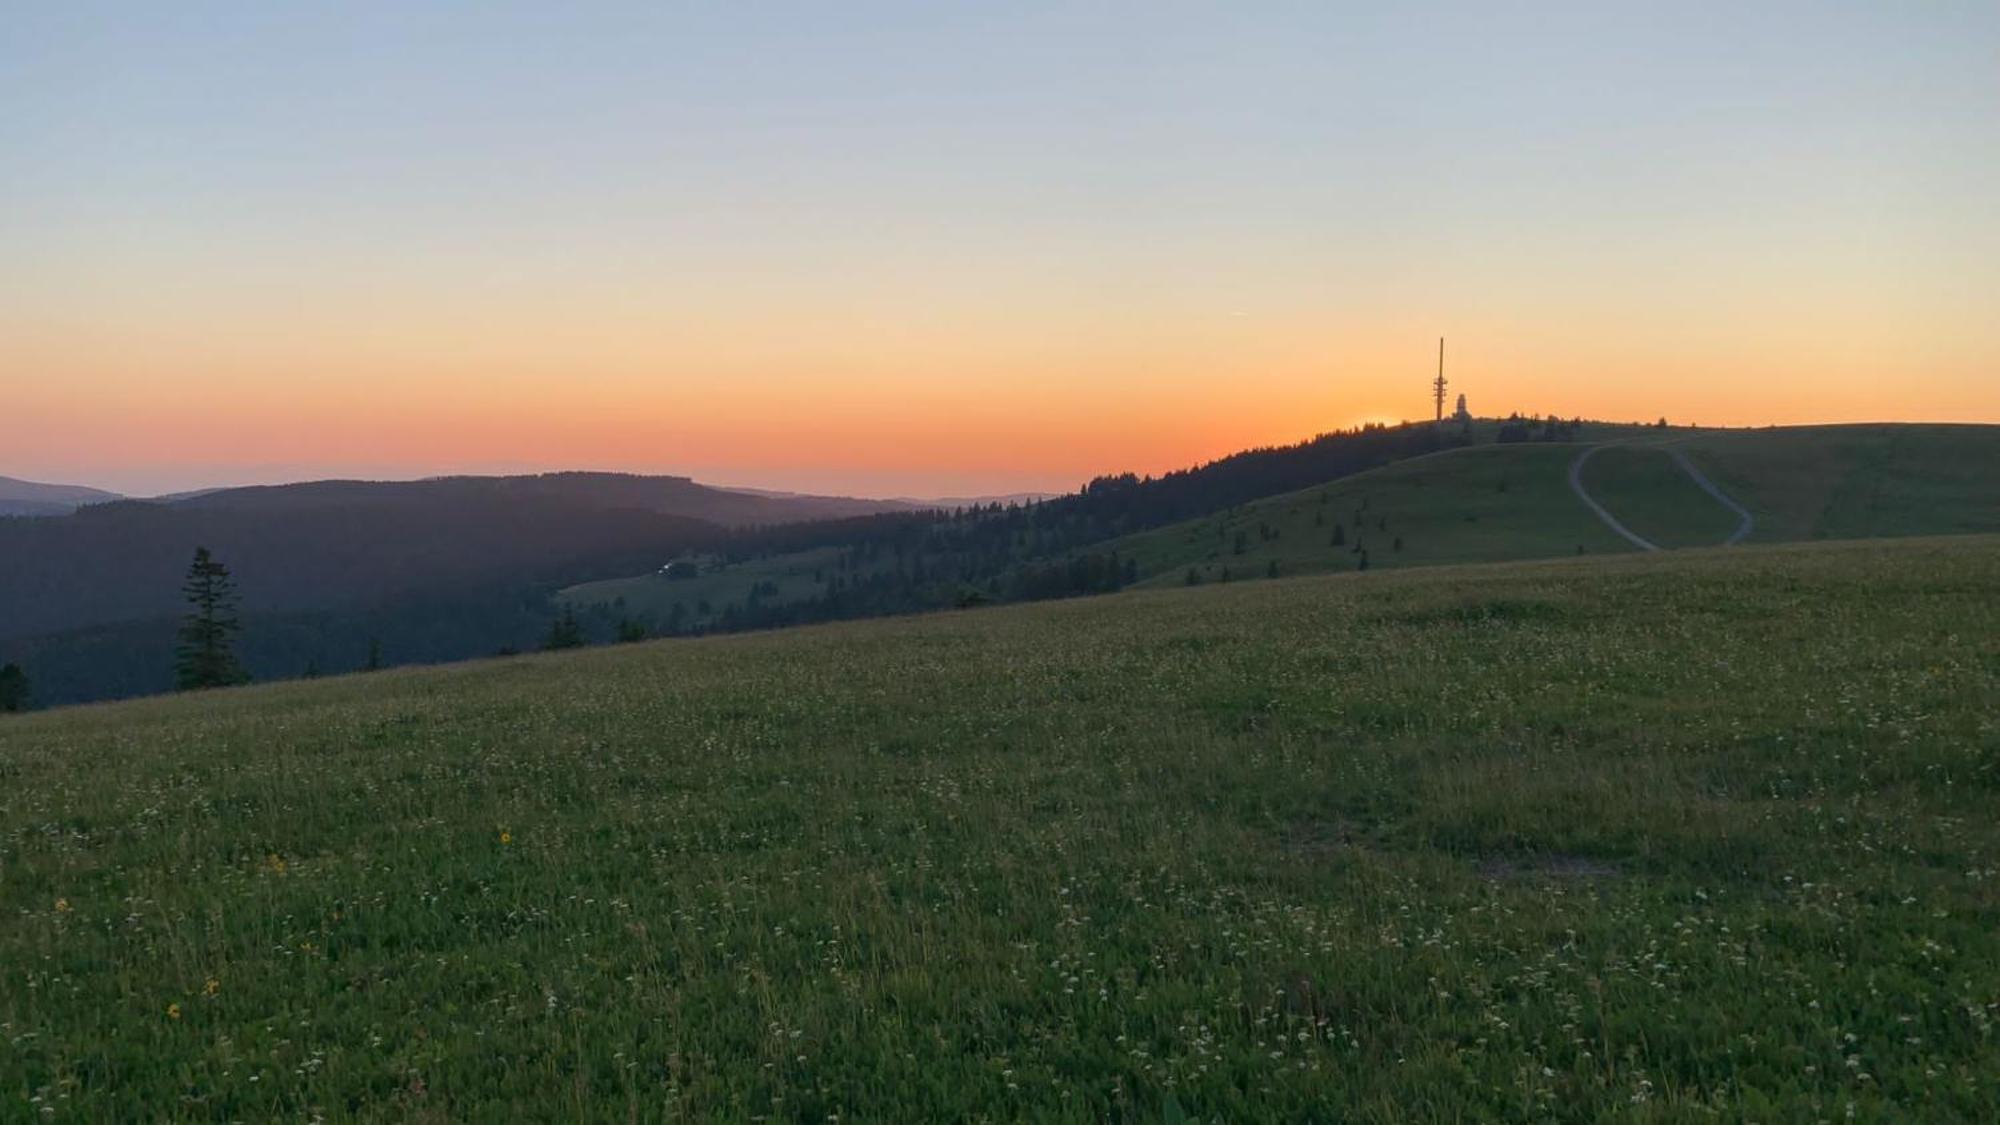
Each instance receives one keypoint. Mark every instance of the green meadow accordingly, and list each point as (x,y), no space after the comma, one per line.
(698,600)
(1493,503)
(1651,494)
(1852,482)
(1486,503)
(1702,834)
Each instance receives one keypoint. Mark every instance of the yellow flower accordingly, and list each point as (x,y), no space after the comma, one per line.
(62,906)
(212,987)
(173,1011)
(506,837)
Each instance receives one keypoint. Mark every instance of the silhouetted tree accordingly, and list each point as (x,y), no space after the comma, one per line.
(1397,545)
(374,655)
(630,630)
(205,658)
(14,693)
(1193,578)
(1272,570)
(1339,536)
(565,632)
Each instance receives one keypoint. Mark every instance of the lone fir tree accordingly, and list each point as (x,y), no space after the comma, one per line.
(564,632)
(14,692)
(205,658)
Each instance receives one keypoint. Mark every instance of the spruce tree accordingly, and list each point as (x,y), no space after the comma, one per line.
(564,632)
(205,658)
(14,694)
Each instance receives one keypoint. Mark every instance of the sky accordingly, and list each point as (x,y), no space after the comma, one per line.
(935,249)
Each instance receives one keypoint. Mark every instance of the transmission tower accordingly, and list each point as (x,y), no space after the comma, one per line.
(1438,387)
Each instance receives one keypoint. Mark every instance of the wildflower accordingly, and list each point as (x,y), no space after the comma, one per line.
(173,1011)
(212,987)
(62,906)
(506,837)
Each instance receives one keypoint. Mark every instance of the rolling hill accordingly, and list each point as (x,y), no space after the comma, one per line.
(32,498)
(1485,503)
(1496,502)
(1857,482)
(337,543)
(458,567)
(1705,833)
(328,571)
(616,492)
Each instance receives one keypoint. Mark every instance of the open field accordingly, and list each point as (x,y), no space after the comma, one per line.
(1660,836)
(1492,503)
(1853,482)
(1648,492)
(1486,503)
(783,579)
(1489,502)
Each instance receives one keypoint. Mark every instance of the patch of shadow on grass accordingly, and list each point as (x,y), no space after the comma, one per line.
(1559,867)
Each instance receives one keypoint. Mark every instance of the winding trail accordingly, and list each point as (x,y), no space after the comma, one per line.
(1610,521)
(1744,521)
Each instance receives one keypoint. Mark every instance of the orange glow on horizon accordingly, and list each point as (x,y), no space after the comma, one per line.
(984,387)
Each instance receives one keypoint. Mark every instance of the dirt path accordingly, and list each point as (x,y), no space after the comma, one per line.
(1610,521)
(1744,521)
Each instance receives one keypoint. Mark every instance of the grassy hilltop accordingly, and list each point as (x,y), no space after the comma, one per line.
(1490,503)
(1658,836)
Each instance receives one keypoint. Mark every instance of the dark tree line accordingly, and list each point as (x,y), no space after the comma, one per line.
(1519,429)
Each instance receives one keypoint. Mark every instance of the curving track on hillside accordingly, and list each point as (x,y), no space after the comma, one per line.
(1745,522)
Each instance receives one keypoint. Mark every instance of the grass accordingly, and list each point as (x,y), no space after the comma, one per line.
(1482,504)
(1853,482)
(1657,837)
(1655,498)
(1495,503)
(796,577)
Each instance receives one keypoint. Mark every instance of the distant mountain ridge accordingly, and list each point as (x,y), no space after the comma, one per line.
(326,544)
(35,498)
(660,494)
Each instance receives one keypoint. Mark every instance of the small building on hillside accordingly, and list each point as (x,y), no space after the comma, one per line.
(1461,414)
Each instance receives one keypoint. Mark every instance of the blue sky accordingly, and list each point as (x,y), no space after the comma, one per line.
(1746,213)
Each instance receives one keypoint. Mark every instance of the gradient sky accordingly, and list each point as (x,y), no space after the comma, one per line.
(899,249)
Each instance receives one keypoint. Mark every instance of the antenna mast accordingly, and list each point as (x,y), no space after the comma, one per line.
(1438,387)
